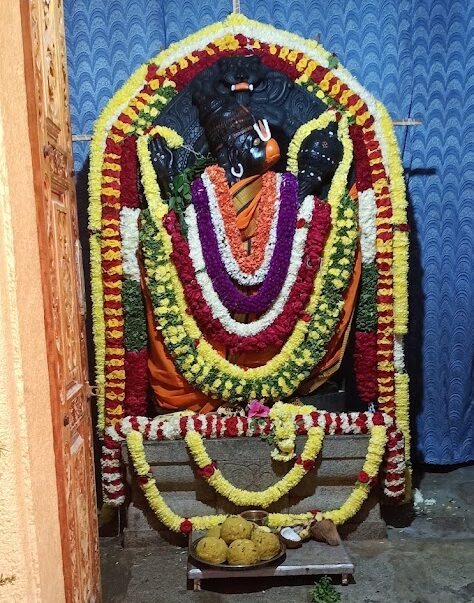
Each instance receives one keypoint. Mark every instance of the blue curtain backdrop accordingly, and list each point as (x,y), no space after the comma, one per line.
(417,56)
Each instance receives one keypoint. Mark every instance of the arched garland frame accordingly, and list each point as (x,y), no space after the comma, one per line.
(382,215)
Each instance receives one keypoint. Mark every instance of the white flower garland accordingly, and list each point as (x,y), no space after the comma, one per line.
(129,235)
(398,354)
(228,258)
(218,310)
(367,213)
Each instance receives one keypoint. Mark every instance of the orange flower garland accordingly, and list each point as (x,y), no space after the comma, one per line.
(266,209)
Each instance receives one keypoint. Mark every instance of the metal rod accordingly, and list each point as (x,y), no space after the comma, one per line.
(406,121)
(81,137)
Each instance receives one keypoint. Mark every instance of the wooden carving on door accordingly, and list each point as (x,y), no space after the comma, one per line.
(61,263)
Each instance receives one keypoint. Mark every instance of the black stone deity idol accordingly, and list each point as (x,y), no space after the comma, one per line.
(245,114)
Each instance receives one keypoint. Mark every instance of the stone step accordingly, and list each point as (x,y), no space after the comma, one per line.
(246,462)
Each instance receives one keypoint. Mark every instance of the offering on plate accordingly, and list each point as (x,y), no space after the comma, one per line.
(235,528)
(238,542)
(214,532)
(242,552)
(211,549)
(267,544)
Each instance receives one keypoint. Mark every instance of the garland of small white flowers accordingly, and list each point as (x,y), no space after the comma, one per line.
(129,235)
(174,522)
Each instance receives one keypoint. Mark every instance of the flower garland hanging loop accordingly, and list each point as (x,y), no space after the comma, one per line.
(265,498)
(148,485)
(174,522)
(319,123)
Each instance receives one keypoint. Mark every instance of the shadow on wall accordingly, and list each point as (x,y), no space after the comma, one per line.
(414,338)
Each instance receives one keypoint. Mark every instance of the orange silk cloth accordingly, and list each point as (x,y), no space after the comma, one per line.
(172,392)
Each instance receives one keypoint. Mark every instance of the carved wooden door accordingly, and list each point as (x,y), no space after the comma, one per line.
(63,291)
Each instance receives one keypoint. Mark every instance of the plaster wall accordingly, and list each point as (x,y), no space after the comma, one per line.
(30,549)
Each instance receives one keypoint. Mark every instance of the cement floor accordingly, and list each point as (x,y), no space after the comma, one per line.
(427,558)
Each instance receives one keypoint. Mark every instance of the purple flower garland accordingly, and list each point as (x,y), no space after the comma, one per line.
(230,296)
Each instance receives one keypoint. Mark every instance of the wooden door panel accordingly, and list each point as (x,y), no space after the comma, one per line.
(66,267)
(63,295)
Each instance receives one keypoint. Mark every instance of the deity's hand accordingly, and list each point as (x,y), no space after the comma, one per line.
(318,159)
(162,159)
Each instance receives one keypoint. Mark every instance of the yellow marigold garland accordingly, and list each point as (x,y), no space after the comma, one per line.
(118,102)
(359,494)
(171,137)
(400,282)
(98,326)
(283,417)
(400,274)
(265,498)
(397,182)
(174,522)
(158,504)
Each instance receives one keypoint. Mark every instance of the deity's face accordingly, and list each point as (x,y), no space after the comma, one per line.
(251,152)
(239,75)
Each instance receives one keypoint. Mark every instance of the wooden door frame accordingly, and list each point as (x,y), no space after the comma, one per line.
(60,162)
(38,156)
(30,547)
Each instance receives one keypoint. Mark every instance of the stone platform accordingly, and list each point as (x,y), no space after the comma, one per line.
(247,463)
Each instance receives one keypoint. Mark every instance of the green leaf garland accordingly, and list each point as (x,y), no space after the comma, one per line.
(366,316)
(136,336)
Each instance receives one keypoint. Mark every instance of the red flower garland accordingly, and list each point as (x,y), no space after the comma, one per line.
(362,167)
(365,365)
(308,464)
(136,382)
(112,283)
(207,471)
(129,166)
(186,526)
(212,426)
